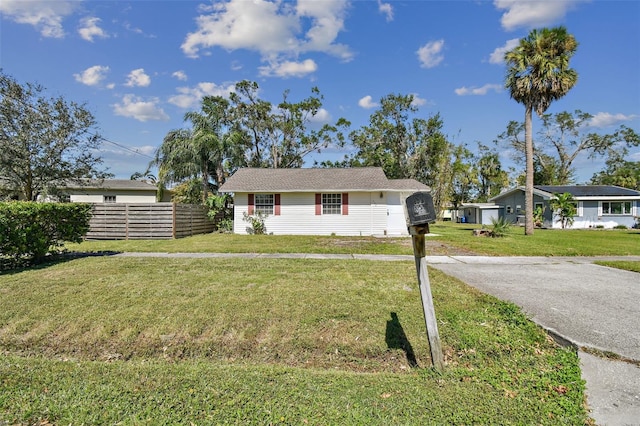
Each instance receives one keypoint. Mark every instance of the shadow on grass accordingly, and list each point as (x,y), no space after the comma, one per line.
(397,339)
(10,266)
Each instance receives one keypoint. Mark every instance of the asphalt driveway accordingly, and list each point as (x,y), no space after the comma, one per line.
(585,304)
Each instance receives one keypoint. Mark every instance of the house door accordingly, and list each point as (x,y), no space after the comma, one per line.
(396,223)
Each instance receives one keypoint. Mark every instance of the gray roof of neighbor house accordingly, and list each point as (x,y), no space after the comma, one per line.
(115,184)
(311,180)
(577,191)
(589,190)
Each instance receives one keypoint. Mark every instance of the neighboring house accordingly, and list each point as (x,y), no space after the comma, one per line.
(340,201)
(112,191)
(481,213)
(596,205)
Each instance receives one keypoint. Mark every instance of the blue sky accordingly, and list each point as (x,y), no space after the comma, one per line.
(140,65)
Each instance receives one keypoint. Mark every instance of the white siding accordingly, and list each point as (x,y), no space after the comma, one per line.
(396,219)
(121,197)
(367,216)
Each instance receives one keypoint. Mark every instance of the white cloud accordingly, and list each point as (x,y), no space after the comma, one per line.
(386,9)
(322,116)
(367,102)
(430,54)
(605,119)
(418,101)
(92,76)
(180,75)
(464,91)
(272,28)
(190,97)
(45,16)
(530,14)
(327,19)
(289,69)
(138,78)
(90,29)
(497,56)
(135,107)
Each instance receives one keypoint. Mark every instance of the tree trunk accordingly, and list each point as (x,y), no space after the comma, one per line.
(528,189)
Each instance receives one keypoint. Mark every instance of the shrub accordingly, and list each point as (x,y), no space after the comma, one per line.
(257,223)
(620,227)
(220,211)
(33,230)
(500,227)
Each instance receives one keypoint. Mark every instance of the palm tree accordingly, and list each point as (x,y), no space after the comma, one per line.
(538,73)
(199,152)
(564,206)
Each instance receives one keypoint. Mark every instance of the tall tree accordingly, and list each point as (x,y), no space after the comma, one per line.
(463,178)
(491,178)
(44,142)
(199,152)
(562,137)
(280,136)
(406,146)
(538,73)
(619,172)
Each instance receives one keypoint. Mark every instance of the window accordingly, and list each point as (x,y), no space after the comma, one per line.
(538,205)
(264,203)
(616,208)
(109,199)
(509,210)
(331,203)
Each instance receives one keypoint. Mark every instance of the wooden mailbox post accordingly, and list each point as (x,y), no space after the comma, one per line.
(421,213)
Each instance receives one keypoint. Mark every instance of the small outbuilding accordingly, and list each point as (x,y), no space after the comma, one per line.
(358,201)
(480,213)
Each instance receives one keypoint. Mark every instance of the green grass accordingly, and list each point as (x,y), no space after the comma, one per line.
(621,264)
(106,340)
(543,242)
(232,243)
(450,239)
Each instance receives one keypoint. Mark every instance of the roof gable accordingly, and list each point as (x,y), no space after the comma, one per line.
(317,180)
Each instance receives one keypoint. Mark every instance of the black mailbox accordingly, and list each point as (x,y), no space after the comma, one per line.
(420,209)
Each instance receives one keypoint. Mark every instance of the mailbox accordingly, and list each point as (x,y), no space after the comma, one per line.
(420,209)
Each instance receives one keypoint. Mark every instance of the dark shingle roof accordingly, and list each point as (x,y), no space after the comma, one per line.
(307,180)
(589,190)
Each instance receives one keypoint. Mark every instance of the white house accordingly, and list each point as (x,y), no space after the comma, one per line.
(112,191)
(340,201)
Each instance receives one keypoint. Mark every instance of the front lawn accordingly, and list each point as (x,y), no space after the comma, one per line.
(449,239)
(104,340)
(543,242)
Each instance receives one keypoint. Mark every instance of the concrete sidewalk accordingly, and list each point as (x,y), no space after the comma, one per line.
(576,301)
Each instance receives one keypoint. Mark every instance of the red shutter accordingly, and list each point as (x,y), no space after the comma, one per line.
(345,203)
(318,204)
(251,204)
(277,204)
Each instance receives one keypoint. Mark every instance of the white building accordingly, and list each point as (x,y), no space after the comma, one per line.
(340,201)
(112,191)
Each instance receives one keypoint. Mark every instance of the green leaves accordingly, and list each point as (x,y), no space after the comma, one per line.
(33,230)
(44,141)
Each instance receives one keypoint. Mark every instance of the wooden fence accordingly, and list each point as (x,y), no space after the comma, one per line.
(119,221)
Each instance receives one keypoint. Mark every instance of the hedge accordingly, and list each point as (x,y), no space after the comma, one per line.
(32,230)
